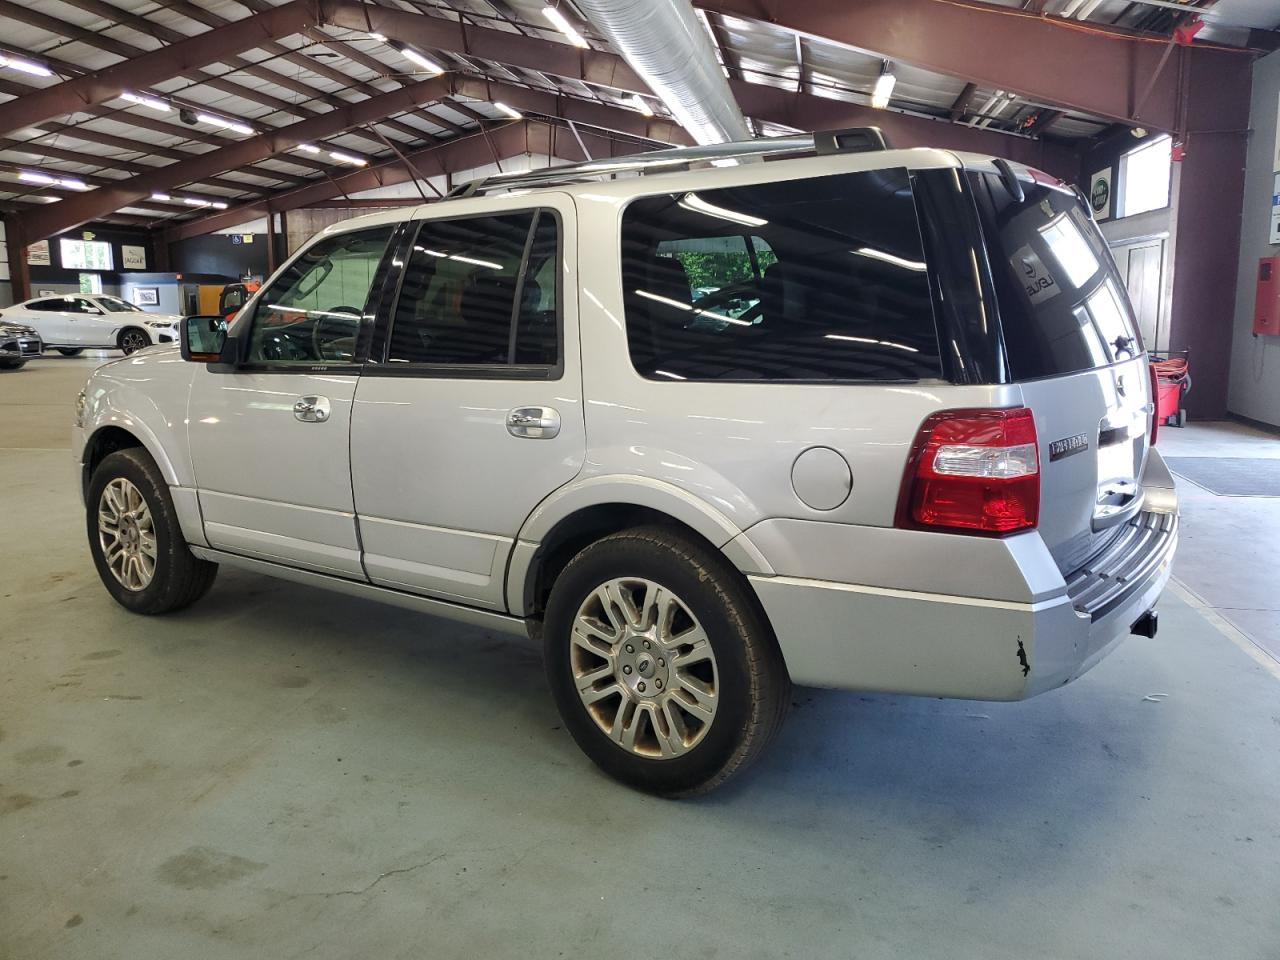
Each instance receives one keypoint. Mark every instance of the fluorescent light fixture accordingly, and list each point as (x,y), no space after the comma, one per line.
(883,89)
(348,158)
(226,124)
(559,21)
(218,205)
(509,111)
(414,57)
(308,148)
(380,37)
(25,66)
(154,103)
(638,102)
(691,201)
(161,196)
(44,179)
(195,202)
(886,257)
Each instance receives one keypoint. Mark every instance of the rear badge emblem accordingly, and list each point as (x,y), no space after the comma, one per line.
(1068,446)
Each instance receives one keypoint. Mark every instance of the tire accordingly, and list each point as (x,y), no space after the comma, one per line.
(12,364)
(178,578)
(745,673)
(70,351)
(132,339)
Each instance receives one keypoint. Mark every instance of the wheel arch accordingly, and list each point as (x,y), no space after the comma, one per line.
(108,438)
(565,523)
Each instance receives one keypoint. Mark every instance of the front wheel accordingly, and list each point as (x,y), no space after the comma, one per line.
(8,364)
(133,339)
(136,541)
(661,663)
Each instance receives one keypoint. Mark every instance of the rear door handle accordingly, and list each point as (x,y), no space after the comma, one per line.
(311,409)
(533,423)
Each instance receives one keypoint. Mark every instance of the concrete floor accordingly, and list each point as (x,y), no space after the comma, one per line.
(280,772)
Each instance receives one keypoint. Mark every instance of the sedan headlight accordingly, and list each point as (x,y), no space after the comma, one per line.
(160,324)
(81,402)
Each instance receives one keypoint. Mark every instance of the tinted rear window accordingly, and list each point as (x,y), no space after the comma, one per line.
(818,279)
(1063,306)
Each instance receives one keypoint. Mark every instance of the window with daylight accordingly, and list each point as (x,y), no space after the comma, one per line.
(1146,175)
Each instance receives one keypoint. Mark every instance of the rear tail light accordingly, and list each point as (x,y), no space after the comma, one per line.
(975,470)
(1155,403)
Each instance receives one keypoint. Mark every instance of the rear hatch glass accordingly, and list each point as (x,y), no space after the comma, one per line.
(1072,342)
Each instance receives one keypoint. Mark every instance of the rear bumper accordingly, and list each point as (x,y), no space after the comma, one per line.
(879,638)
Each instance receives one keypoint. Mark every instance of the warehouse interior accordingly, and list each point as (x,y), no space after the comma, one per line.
(282,769)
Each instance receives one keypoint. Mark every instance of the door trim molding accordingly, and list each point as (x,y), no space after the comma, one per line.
(460,613)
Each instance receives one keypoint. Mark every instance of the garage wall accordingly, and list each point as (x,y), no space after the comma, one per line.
(1254,387)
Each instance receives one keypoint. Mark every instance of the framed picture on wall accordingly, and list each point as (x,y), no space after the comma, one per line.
(146,296)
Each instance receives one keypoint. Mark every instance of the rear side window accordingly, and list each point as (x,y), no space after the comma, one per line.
(480,292)
(811,280)
(1063,307)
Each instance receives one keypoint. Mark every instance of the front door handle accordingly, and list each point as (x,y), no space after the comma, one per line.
(533,423)
(311,409)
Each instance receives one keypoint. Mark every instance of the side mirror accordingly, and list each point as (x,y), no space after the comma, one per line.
(203,339)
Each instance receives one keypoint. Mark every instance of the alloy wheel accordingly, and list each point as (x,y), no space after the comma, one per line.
(127,535)
(644,668)
(133,340)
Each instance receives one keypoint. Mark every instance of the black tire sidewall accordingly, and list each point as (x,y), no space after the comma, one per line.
(137,466)
(12,364)
(653,560)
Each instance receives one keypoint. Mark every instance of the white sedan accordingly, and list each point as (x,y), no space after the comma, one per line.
(73,322)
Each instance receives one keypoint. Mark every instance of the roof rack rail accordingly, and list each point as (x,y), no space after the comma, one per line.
(825,142)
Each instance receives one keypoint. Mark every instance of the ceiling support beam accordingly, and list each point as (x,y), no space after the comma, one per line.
(808,112)
(465,153)
(963,102)
(82,208)
(114,14)
(1100,70)
(592,114)
(91,89)
(512,49)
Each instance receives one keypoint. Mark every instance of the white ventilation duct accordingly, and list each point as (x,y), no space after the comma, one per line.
(666,45)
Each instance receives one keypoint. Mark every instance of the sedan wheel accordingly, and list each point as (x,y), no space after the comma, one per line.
(644,669)
(133,339)
(127,535)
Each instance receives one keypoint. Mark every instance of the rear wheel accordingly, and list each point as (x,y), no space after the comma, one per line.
(136,541)
(71,351)
(661,664)
(132,339)
(7,364)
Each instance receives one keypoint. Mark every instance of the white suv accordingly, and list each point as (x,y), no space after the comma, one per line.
(858,418)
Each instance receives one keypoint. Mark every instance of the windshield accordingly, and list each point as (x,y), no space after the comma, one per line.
(116,305)
(1063,305)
